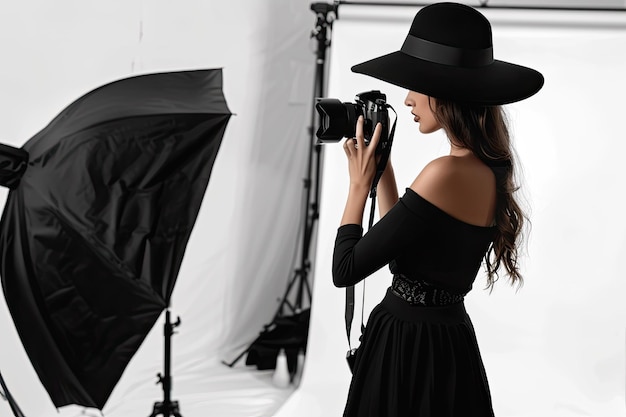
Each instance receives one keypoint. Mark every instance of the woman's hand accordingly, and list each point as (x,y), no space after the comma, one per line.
(362,168)
(361,158)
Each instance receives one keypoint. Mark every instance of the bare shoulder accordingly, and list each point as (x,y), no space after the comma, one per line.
(440,179)
(440,169)
(463,187)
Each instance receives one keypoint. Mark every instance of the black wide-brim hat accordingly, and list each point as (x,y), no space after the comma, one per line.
(448,53)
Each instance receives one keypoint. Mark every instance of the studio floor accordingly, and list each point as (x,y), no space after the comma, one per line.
(202,390)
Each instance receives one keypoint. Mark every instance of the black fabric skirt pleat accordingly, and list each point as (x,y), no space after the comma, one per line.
(420,362)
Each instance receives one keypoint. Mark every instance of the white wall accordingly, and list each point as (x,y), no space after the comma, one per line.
(556,347)
(242,249)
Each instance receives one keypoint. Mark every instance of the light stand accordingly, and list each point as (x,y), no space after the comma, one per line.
(167,407)
(326,14)
(6,395)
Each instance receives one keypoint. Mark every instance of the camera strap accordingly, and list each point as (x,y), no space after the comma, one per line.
(380,169)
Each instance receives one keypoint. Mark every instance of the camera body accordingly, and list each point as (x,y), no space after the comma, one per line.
(338,120)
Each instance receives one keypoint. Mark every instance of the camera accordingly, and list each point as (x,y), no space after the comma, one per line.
(338,120)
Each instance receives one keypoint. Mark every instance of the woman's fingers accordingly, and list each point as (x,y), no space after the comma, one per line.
(352,146)
(359,137)
(348,146)
(376,136)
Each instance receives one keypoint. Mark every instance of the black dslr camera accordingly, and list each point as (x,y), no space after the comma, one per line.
(338,120)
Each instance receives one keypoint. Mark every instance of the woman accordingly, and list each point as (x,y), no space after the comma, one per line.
(419,355)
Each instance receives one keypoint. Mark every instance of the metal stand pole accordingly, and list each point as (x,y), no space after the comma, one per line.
(326,14)
(167,407)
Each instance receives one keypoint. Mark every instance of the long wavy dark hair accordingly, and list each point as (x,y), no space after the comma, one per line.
(484,131)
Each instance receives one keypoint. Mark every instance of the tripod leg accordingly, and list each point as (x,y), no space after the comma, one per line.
(176,411)
(8,397)
(156,410)
(230,365)
(166,409)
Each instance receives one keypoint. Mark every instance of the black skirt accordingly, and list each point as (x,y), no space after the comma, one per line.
(420,362)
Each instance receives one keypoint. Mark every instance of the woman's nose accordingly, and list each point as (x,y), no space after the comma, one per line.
(407,101)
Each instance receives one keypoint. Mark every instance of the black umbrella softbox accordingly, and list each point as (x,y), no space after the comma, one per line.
(93,236)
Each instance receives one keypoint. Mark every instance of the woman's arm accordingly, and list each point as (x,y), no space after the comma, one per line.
(362,168)
(356,256)
(355,205)
(387,191)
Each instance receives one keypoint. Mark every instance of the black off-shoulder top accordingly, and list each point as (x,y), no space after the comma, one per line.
(417,240)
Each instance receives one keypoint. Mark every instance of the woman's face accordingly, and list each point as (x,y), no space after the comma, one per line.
(420,108)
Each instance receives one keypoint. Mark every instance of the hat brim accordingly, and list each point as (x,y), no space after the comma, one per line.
(498,83)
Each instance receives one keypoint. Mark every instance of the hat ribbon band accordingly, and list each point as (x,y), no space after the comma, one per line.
(446,55)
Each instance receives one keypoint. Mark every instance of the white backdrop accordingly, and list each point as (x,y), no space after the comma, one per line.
(241,252)
(556,347)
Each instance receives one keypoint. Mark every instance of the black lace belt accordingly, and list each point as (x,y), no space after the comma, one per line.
(417,292)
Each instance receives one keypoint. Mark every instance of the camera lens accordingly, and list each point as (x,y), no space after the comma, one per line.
(337,120)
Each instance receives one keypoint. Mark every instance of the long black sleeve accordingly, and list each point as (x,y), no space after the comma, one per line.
(356,256)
